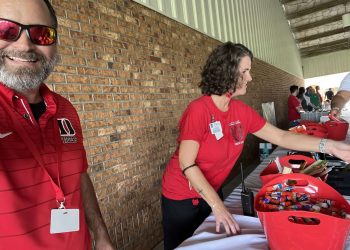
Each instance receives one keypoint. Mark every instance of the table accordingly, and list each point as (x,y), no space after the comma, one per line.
(252,234)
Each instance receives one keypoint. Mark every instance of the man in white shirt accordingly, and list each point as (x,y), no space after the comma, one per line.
(342,96)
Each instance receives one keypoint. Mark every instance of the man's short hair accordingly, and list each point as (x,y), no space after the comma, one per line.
(52,13)
(293,88)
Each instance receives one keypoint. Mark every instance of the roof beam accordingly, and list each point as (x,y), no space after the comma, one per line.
(286,1)
(321,52)
(325,48)
(316,24)
(320,35)
(344,40)
(316,8)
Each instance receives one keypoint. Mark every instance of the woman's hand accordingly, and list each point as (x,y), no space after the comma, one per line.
(338,149)
(223,216)
(336,112)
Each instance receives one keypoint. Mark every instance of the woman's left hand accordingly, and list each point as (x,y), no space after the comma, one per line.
(224,217)
(338,149)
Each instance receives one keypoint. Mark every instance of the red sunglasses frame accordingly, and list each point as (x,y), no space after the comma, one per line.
(27,29)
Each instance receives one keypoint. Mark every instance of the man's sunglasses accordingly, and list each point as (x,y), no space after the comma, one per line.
(38,34)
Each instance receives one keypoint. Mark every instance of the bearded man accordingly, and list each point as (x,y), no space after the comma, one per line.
(47,200)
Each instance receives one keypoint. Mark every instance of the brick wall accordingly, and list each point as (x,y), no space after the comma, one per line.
(130,72)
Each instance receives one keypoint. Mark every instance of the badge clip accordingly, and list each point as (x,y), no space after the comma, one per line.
(61,204)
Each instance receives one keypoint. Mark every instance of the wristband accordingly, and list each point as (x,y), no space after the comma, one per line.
(335,108)
(322,145)
(190,166)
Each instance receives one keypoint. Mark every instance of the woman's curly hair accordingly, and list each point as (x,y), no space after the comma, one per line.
(221,71)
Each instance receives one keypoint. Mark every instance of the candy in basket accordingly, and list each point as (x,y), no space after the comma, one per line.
(301,212)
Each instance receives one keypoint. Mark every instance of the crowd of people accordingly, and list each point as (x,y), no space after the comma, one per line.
(310,99)
(47,198)
(302,100)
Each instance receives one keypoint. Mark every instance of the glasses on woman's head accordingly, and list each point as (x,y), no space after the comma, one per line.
(38,34)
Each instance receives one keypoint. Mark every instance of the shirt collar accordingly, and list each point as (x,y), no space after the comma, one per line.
(9,94)
(6,93)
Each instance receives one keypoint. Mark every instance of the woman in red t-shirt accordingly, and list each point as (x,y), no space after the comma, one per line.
(213,129)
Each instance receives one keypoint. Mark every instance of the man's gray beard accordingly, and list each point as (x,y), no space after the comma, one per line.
(24,79)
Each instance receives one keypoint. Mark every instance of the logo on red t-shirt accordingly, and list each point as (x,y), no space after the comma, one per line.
(236,129)
(66,130)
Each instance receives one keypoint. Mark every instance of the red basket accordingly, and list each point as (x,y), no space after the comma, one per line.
(313,129)
(337,130)
(316,127)
(317,130)
(331,232)
(271,171)
(307,122)
(317,133)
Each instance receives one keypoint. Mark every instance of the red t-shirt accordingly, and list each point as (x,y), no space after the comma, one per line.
(215,158)
(293,103)
(26,193)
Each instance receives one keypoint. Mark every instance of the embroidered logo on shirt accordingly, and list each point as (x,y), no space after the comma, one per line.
(3,135)
(236,129)
(67,131)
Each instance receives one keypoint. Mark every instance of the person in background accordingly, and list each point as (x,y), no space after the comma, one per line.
(327,105)
(304,100)
(212,133)
(47,198)
(313,97)
(342,97)
(329,94)
(294,107)
(319,94)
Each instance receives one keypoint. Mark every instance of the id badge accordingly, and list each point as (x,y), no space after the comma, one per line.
(219,135)
(215,129)
(64,220)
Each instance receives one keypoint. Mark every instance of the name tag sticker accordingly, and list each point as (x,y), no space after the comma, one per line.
(64,220)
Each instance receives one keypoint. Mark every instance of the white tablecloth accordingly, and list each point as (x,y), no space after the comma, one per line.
(252,234)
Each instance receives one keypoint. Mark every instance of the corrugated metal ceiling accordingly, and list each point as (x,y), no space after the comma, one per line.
(317,25)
